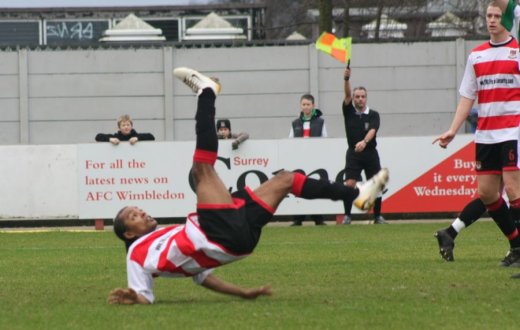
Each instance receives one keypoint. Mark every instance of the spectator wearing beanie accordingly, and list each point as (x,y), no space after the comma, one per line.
(224,132)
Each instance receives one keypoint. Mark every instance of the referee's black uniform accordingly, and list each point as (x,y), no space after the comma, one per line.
(357,125)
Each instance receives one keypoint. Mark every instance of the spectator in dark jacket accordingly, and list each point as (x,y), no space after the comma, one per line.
(308,124)
(126,132)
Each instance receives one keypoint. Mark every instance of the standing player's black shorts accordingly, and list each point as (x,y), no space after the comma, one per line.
(356,162)
(497,157)
(238,226)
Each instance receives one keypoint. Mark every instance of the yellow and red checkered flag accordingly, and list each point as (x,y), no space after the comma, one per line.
(340,49)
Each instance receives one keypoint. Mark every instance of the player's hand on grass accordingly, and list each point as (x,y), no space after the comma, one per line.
(122,297)
(256,292)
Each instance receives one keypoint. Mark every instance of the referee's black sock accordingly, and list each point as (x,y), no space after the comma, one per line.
(347,205)
(310,188)
(377,207)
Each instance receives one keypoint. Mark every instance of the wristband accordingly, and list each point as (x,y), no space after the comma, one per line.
(346,78)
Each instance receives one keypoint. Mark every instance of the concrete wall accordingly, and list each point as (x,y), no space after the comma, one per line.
(67,96)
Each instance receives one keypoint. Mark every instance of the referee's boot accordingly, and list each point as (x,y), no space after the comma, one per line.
(196,80)
(370,190)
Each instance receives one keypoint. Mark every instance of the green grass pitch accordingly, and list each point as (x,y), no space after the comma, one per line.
(330,277)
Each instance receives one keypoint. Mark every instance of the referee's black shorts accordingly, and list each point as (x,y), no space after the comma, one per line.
(356,162)
(237,227)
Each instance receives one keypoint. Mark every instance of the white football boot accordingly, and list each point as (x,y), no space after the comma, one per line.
(370,190)
(196,80)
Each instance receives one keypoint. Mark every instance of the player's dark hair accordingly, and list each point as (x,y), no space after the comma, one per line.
(120,229)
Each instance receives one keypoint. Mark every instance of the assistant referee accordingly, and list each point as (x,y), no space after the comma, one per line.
(361,126)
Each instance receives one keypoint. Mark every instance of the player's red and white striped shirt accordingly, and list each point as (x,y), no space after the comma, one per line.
(492,74)
(174,251)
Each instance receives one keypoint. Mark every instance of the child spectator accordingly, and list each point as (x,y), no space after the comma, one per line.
(126,132)
(224,133)
(308,124)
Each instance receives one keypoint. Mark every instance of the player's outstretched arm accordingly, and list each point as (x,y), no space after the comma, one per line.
(126,296)
(214,283)
(462,112)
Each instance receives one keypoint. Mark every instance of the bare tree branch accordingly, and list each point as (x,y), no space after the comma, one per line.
(286,16)
(325,16)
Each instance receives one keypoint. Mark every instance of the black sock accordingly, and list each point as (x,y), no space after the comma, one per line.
(515,216)
(347,205)
(500,214)
(377,207)
(473,211)
(205,122)
(514,208)
(309,188)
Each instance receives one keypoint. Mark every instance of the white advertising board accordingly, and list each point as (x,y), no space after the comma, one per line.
(155,176)
(90,181)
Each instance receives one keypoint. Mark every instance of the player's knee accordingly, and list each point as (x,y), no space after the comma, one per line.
(351,183)
(285,178)
(488,196)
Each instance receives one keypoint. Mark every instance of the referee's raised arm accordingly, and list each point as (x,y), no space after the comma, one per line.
(346,86)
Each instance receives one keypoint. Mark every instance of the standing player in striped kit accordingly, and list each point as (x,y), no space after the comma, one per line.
(226,227)
(492,74)
(475,209)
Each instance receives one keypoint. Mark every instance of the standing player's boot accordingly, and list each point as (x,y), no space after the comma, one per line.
(370,190)
(446,244)
(512,258)
(196,80)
